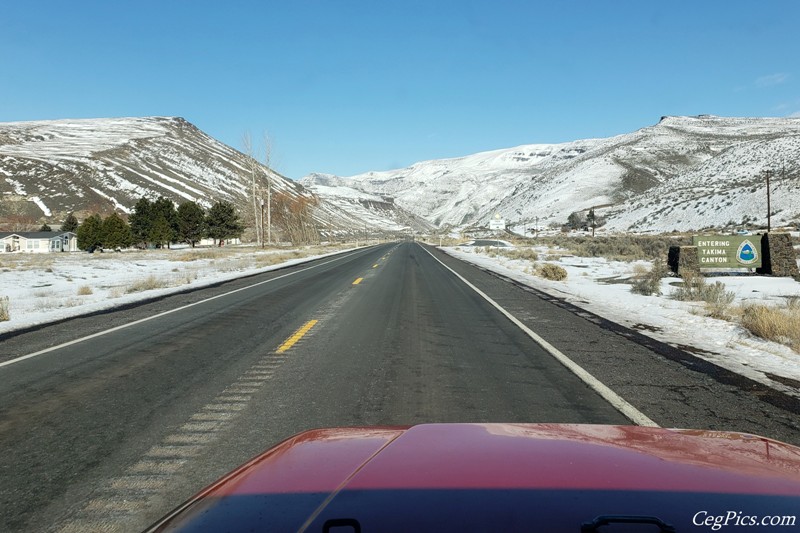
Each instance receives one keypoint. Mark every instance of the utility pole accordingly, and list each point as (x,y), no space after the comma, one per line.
(769,208)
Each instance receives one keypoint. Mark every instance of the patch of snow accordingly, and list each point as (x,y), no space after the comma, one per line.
(38,201)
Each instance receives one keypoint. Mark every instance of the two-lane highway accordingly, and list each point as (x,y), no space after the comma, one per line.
(111,432)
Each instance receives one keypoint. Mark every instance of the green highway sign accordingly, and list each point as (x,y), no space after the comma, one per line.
(728,251)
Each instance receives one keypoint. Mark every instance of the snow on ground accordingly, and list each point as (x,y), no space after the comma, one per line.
(598,285)
(42,288)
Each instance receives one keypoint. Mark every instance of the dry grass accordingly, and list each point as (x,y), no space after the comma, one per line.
(5,309)
(116,292)
(205,254)
(551,271)
(85,290)
(54,302)
(147,284)
(25,261)
(779,324)
(526,254)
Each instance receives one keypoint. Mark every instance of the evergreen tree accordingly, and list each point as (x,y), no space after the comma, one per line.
(160,232)
(223,222)
(166,208)
(116,232)
(141,221)
(576,220)
(191,223)
(70,223)
(90,233)
(45,227)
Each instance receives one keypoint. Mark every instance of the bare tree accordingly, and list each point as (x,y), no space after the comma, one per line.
(253,165)
(267,160)
(260,188)
(293,215)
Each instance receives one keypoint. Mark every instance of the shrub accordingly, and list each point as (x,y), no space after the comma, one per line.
(5,312)
(649,282)
(690,290)
(84,290)
(551,271)
(523,253)
(619,247)
(717,299)
(695,289)
(149,283)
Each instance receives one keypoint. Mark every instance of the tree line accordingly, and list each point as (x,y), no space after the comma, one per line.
(157,224)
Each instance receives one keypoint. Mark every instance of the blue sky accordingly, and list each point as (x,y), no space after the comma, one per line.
(347,87)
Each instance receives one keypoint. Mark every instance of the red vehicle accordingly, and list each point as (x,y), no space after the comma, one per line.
(505,477)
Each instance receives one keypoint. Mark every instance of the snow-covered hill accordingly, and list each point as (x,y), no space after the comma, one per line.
(684,173)
(100,165)
(51,168)
(344,206)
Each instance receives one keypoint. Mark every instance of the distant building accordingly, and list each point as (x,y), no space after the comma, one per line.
(38,242)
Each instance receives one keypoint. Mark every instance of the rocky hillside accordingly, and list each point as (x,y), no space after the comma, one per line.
(684,173)
(51,168)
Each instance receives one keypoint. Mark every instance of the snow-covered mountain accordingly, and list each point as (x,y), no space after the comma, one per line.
(684,173)
(51,168)
(101,165)
(359,209)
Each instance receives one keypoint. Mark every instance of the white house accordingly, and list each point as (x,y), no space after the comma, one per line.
(38,242)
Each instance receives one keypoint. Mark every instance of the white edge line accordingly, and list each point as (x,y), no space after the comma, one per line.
(136,322)
(617,401)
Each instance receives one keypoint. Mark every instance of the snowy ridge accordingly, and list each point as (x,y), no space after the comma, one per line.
(102,165)
(51,168)
(345,207)
(684,173)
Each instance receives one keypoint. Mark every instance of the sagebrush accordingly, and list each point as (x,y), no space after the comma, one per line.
(648,283)
(695,289)
(5,309)
(551,271)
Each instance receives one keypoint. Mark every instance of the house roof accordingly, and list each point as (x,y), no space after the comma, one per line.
(35,234)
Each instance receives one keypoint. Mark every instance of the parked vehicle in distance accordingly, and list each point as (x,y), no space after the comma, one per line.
(504,477)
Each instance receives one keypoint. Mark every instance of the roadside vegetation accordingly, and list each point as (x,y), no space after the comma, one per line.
(51,282)
(647,282)
(550,271)
(5,309)
(617,247)
(695,289)
(778,323)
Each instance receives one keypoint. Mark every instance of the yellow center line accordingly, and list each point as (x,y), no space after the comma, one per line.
(359,280)
(291,341)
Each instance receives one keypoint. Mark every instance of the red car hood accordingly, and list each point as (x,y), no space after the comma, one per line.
(444,475)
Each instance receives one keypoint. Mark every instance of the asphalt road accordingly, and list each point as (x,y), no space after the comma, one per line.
(111,432)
